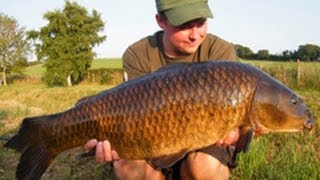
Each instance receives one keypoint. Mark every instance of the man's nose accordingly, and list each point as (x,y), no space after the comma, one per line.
(194,33)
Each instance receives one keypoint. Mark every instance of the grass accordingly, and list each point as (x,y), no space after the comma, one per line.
(17,102)
(114,63)
(34,70)
(34,73)
(295,75)
(107,63)
(277,156)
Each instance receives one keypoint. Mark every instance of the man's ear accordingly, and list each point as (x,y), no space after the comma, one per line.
(161,21)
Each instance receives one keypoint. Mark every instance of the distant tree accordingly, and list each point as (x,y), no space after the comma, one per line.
(14,48)
(308,52)
(286,55)
(243,51)
(263,54)
(66,43)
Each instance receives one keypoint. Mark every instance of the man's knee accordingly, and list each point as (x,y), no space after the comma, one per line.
(135,170)
(203,166)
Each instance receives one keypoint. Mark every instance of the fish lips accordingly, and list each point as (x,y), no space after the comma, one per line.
(309,122)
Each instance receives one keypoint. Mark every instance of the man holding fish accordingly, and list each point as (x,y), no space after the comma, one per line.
(183,38)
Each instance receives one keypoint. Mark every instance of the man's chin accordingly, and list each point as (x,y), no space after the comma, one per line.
(189,50)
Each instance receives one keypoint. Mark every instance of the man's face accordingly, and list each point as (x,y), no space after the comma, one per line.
(186,38)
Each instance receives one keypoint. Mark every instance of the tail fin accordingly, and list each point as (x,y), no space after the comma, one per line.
(35,158)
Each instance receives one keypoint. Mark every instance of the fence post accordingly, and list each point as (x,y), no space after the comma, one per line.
(298,72)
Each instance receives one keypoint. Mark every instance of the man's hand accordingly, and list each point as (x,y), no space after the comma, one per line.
(104,153)
(230,139)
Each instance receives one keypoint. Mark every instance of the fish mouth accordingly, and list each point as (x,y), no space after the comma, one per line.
(309,123)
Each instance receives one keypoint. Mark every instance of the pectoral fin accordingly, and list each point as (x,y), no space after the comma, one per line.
(167,161)
(246,135)
(227,155)
(223,154)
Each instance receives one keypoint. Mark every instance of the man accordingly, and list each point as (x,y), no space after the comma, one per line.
(183,38)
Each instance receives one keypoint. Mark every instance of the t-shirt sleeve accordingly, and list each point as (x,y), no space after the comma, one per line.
(222,50)
(132,65)
(141,58)
(228,53)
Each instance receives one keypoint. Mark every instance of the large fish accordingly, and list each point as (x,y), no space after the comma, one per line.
(164,115)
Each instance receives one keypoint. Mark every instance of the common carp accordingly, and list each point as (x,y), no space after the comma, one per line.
(162,116)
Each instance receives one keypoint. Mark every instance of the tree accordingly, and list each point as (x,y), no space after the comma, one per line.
(243,51)
(287,55)
(308,52)
(66,43)
(14,48)
(263,54)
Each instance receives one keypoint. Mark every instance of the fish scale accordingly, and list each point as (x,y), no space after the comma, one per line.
(162,116)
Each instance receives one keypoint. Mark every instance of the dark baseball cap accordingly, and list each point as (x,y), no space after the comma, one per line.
(179,12)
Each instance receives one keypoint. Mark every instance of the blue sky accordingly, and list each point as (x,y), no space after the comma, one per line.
(276,25)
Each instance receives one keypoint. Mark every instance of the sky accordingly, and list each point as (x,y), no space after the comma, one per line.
(276,25)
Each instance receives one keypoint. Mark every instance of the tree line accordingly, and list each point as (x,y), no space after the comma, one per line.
(65,45)
(307,52)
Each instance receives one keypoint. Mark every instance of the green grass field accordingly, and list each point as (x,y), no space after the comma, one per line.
(96,64)
(277,156)
(107,63)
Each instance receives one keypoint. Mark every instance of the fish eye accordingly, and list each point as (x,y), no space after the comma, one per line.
(294,101)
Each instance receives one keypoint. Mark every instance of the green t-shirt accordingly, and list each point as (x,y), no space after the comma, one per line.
(147,55)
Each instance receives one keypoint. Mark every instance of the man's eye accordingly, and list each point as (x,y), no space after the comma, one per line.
(200,24)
